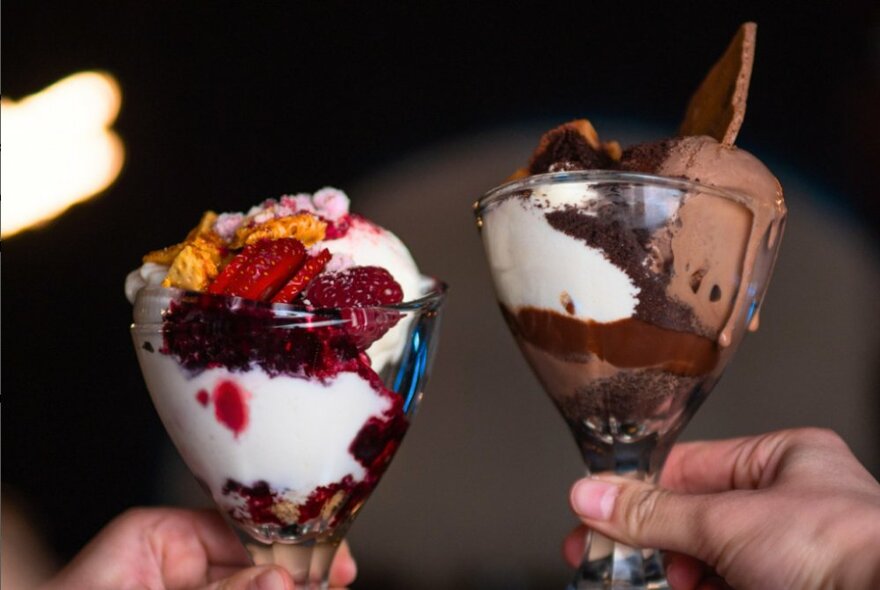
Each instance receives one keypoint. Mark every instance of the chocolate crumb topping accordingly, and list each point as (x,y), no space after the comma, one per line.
(564,148)
(646,157)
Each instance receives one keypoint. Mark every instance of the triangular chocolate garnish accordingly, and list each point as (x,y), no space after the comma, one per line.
(718,106)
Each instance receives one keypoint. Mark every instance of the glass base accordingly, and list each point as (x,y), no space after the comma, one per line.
(608,565)
(308,562)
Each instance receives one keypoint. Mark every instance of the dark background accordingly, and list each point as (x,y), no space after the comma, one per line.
(224,106)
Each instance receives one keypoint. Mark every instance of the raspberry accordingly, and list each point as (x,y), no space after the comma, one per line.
(358,286)
(354,291)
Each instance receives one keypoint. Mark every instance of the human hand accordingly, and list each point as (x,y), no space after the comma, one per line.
(789,509)
(169,548)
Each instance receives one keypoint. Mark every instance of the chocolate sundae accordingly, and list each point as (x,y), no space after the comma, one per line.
(628,275)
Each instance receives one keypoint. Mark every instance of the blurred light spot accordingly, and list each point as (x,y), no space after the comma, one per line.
(57,148)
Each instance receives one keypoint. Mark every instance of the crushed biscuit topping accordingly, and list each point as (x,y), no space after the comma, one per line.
(305,227)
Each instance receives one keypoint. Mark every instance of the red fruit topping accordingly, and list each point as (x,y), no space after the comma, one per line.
(359,286)
(352,290)
(230,406)
(366,325)
(308,271)
(260,270)
(337,229)
(202,397)
(229,272)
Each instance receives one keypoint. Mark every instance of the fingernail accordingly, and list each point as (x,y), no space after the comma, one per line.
(594,499)
(270,580)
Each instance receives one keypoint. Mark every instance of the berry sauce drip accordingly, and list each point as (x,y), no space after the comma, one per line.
(203,397)
(230,406)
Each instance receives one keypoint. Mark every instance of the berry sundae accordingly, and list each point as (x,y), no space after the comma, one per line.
(265,338)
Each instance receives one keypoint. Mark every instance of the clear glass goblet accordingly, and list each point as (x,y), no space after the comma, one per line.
(287,417)
(627,294)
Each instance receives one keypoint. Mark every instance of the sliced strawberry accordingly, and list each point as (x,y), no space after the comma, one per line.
(308,271)
(260,269)
(358,286)
(229,272)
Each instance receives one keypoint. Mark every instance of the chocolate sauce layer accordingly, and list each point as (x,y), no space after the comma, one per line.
(631,343)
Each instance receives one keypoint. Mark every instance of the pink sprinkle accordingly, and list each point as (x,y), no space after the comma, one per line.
(227,223)
(332,203)
(298,203)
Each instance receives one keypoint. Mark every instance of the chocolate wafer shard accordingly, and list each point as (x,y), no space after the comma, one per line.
(718,106)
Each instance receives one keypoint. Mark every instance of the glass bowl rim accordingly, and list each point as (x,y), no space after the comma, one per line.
(496,194)
(431,301)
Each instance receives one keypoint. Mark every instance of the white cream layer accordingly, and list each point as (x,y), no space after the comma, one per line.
(298,432)
(536,265)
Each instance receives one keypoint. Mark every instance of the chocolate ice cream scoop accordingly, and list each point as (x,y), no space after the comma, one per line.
(703,159)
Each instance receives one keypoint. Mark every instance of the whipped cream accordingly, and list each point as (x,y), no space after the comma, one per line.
(296,433)
(535,265)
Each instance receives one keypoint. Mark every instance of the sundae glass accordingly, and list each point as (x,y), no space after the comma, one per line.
(628,294)
(286,351)
(278,412)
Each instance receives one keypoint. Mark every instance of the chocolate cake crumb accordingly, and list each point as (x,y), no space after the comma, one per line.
(566,149)
(148,347)
(646,157)
(629,249)
(631,396)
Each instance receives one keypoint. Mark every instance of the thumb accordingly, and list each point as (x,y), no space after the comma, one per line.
(644,515)
(267,577)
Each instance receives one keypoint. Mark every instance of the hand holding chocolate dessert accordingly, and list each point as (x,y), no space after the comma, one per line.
(628,278)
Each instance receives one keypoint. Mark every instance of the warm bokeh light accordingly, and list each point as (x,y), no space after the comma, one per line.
(57,148)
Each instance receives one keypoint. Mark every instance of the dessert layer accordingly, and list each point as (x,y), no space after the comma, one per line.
(249,426)
(625,344)
(536,265)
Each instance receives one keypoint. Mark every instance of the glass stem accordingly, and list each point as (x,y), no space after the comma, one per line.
(607,564)
(308,562)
